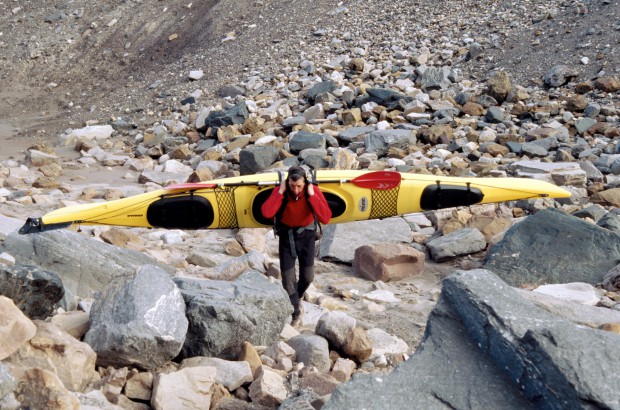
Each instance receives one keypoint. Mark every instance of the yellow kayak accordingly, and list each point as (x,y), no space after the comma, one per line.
(236,202)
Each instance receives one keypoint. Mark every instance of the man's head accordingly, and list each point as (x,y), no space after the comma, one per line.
(296,180)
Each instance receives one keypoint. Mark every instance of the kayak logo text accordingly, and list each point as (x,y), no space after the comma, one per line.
(363,204)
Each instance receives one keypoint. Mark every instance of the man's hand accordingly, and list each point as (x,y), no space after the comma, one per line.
(283,186)
(310,189)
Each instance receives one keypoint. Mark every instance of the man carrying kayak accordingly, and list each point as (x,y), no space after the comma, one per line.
(297,206)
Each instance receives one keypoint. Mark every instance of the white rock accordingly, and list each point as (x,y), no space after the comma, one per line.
(383,125)
(92,132)
(383,343)
(196,74)
(7,259)
(578,292)
(381,296)
(191,386)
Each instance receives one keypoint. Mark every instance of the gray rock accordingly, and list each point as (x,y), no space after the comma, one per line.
(594,212)
(340,241)
(292,121)
(354,133)
(533,150)
(253,158)
(487,101)
(611,221)
(138,321)
(548,143)
(222,315)
(34,291)
(302,400)
(316,161)
(7,381)
(473,51)
(538,167)
(386,97)
(554,247)
(575,312)
(234,115)
(508,352)
(335,327)
(435,78)
(592,173)
(559,75)
(461,242)
(320,88)
(592,110)
(306,140)
(85,265)
(231,91)
(430,379)
(494,115)
(583,124)
(379,141)
(312,350)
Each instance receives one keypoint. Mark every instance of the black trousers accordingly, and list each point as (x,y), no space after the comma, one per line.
(296,244)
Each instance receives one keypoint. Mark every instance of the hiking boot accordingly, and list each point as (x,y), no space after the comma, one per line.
(296,318)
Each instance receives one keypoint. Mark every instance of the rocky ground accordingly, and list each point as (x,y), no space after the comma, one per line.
(68,63)
(76,64)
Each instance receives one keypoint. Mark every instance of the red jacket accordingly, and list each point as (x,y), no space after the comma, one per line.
(298,212)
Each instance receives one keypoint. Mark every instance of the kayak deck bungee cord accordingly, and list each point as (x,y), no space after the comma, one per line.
(236,202)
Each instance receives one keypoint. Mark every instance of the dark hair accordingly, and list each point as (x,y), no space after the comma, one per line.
(296,173)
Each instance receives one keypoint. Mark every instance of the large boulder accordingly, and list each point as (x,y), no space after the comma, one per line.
(486,347)
(84,265)
(222,315)
(138,321)
(554,247)
(34,291)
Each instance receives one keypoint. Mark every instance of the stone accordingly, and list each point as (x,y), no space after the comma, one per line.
(343,369)
(223,315)
(192,386)
(457,336)
(139,385)
(34,291)
(229,374)
(249,354)
(387,262)
(56,351)
(461,242)
(358,345)
(145,310)
(76,323)
(383,344)
(335,327)
(41,386)
(320,383)
(254,158)
(16,329)
(531,251)
(312,350)
(576,292)
(268,388)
